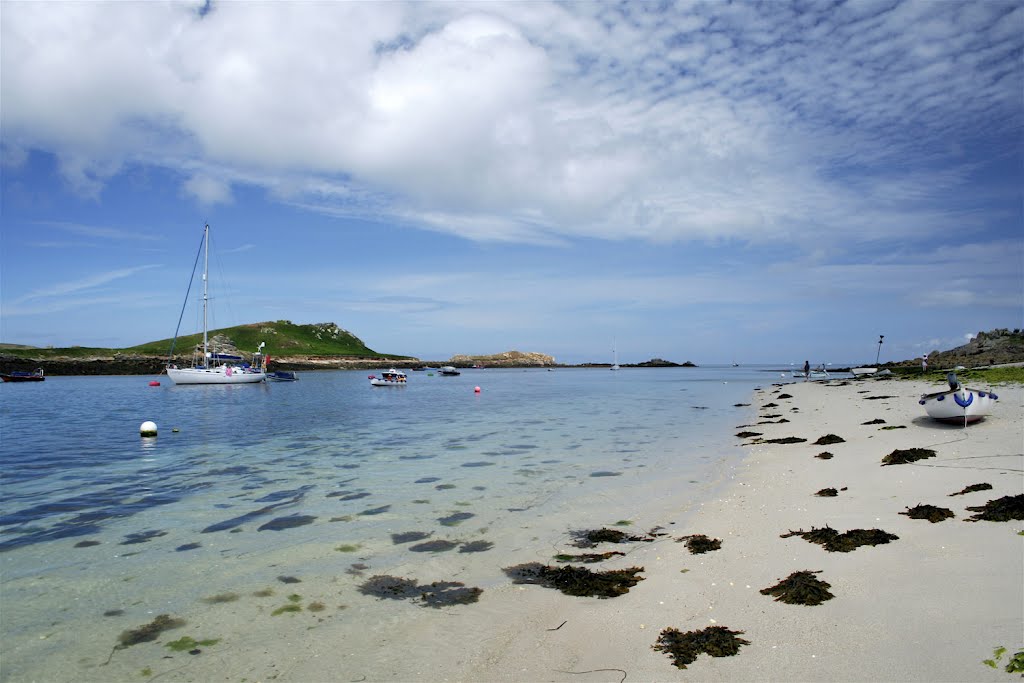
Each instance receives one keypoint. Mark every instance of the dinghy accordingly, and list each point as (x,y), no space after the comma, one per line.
(959,404)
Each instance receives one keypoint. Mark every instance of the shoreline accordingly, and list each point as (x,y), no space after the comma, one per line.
(929,606)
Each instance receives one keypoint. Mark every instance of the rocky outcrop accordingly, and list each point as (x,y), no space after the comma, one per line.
(507,359)
(987,348)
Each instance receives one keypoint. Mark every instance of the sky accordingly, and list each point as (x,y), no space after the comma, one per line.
(709,182)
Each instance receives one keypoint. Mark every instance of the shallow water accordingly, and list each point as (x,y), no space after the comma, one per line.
(323,482)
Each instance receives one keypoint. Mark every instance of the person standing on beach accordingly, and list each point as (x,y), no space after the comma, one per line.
(924,363)
(807,368)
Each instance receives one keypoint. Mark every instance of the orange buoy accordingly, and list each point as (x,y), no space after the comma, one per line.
(476,390)
(154,383)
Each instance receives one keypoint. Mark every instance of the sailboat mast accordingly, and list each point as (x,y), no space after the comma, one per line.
(206,267)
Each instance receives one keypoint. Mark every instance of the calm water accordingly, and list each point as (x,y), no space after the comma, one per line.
(249,485)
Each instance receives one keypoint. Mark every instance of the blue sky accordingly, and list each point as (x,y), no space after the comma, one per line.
(713,182)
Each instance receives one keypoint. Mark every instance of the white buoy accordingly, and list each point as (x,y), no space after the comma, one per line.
(147,428)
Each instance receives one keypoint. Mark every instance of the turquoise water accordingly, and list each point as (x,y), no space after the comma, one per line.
(256,485)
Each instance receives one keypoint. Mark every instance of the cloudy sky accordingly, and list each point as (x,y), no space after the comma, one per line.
(714,182)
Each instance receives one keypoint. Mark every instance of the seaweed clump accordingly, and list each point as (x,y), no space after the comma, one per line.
(800,588)
(877,421)
(699,544)
(1000,510)
(437,594)
(835,542)
(930,512)
(786,440)
(746,435)
(827,493)
(590,538)
(150,631)
(824,455)
(577,581)
(683,648)
(589,558)
(829,439)
(908,455)
(972,488)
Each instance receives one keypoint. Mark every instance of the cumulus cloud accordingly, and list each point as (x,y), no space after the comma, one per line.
(534,122)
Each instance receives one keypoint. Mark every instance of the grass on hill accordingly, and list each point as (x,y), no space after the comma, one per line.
(283,338)
(974,376)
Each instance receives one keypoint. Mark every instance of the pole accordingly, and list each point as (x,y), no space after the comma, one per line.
(206,268)
(877,355)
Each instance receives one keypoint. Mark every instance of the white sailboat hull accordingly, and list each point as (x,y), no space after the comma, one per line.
(215,375)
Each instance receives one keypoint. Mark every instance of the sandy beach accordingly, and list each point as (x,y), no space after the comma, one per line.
(929,606)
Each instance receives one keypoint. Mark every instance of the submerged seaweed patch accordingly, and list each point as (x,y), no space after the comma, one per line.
(908,455)
(475,547)
(577,581)
(150,631)
(438,546)
(188,643)
(437,594)
(410,536)
(800,588)
(588,538)
(455,518)
(289,522)
(221,598)
(1000,510)
(829,439)
(845,542)
(698,544)
(930,512)
(588,558)
(972,488)
(683,648)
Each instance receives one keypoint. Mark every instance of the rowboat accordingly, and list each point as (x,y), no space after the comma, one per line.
(21,376)
(389,378)
(958,404)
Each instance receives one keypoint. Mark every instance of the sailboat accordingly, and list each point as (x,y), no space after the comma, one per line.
(615,355)
(211,367)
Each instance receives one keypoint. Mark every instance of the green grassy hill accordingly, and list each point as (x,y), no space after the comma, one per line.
(283,339)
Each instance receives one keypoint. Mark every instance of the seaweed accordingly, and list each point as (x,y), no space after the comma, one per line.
(589,558)
(908,455)
(827,493)
(891,427)
(86,544)
(800,588)
(221,598)
(289,579)
(436,546)
(786,440)
(783,396)
(588,538)
(577,581)
(149,632)
(930,512)
(476,547)
(699,544)
(1000,510)
(684,648)
(744,435)
(188,643)
(824,455)
(289,522)
(437,594)
(848,541)
(829,439)
(455,518)
(972,488)
(876,421)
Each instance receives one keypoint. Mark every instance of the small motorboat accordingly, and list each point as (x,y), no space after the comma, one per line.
(282,376)
(22,376)
(449,370)
(959,404)
(860,372)
(389,378)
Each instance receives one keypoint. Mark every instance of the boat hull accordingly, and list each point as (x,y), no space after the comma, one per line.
(216,375)
(959,406)
(386,383)
(22,378)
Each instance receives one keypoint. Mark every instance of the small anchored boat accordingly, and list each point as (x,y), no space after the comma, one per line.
(959,403)
(389,378)
(282,376)
(449,370)
(21,376)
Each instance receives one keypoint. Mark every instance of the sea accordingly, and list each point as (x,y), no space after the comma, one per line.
(303,491)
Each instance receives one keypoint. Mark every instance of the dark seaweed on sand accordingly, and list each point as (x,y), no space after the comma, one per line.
(829,439)
(800,588)
(827,493)
(905,456)
(150,631)
(1000,510)
(972,488)
(930,512)
(437,594)
(683,648)
(877,421)
(435,546)
(845,542)
(783,396)
(787,439)
(589,558)
(744,435)
(824,455)
(577,581)
(699,544)
(410,536)
(588,538)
